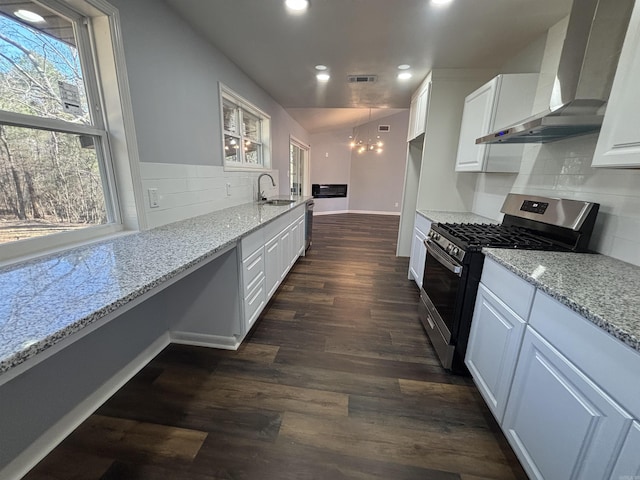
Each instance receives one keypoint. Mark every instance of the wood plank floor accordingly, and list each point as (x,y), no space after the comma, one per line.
(337,381)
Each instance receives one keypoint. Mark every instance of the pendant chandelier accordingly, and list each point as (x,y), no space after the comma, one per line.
(370,145)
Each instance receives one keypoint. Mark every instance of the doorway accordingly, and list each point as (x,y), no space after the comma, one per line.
(299,181)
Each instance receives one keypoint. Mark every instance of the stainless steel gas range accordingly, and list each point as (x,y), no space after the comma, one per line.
(455,259)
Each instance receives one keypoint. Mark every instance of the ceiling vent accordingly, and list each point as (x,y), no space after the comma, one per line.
(362,78)
(384,128)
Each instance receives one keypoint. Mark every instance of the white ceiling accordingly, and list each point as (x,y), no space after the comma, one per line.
(279,50)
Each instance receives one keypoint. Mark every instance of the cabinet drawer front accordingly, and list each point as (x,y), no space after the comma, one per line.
(508,287)
(252,270)
(254,303)
(605,359)
(422,224)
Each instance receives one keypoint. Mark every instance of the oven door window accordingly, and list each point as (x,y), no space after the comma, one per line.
(441,286)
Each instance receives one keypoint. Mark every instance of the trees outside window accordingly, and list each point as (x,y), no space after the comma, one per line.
(55,169)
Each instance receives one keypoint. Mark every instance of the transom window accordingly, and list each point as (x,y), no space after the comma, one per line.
(246,133)
(55,168)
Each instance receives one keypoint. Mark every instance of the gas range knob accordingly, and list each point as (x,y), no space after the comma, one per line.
(455,251)
(449,248)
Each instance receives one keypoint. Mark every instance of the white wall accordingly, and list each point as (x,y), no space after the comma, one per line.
(173,76)
(441,187)
(563,169)
(377,178)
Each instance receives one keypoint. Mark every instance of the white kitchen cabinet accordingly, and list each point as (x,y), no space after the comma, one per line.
(418,249)
(619,140)
(418,110)
(503,101)
(253,277)
(559,423)
(627,466)
(494,344)
(267,256)
(499,320)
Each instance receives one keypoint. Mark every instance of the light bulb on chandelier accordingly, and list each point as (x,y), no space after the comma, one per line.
(369,146)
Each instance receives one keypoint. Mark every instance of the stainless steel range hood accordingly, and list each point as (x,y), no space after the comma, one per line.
(582,84)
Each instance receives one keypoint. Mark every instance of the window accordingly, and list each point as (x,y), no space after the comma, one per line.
(246,133)
(56,169)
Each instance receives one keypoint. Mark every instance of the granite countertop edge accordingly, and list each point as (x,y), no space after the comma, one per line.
(33,349)
(609,325)
(442,216)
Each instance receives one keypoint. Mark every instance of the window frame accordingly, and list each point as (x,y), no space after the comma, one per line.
(101,53)
(242,105)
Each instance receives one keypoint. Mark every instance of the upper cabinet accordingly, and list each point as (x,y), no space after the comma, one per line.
(619,141)
(418,111)
(502,102)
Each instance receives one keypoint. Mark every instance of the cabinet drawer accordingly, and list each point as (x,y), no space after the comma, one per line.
(422,224)
(252,270)
(254,302)
(514,291)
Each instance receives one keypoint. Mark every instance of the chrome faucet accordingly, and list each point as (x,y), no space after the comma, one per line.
(260,192)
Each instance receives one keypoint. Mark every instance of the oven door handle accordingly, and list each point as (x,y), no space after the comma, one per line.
(443,258)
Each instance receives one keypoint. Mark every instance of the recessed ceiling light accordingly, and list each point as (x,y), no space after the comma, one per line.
(297,5)
(321,67)
(404,66)
(404,75)
(441,2)
(29,16)
(323,77)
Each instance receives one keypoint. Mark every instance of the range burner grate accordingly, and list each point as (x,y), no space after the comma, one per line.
(477,235)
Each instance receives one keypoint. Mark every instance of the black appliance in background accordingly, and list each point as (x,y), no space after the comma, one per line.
(454,262)
(329,190)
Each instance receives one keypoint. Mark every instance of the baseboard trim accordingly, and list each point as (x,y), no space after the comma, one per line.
(203,340)
(365,212)
(39,449)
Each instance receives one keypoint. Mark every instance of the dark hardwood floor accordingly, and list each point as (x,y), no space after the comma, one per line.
(337,381)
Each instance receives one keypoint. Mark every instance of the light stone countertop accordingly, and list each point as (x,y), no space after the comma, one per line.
(437,216)
(602,289)
(49,298)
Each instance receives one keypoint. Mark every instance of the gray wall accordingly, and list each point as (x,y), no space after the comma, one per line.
(377,178)
(173,76)
(331,163)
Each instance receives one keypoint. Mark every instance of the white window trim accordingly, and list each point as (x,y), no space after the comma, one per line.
(226,92)
(120,143)
(306,186)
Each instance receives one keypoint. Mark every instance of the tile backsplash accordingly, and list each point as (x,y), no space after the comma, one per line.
(186,191)
(563,169)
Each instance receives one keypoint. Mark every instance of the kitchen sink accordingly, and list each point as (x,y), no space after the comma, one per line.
(279,201)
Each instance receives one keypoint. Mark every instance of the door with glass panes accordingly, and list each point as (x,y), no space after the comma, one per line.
(298,168)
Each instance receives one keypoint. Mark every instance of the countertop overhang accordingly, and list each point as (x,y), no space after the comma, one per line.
(48,299)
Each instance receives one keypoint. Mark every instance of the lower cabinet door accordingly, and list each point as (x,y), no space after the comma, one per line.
(628,464)
(492,353)
(272,265)
(559,423)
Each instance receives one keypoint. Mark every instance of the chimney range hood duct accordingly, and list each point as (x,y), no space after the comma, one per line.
(582,84)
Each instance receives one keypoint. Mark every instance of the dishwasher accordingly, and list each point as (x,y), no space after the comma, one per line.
(309,225)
